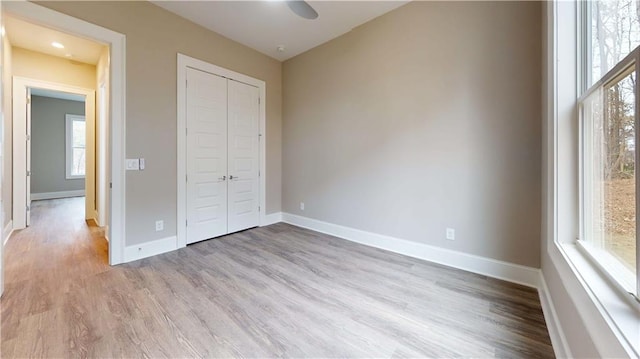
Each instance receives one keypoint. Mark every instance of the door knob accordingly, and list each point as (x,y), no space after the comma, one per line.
(222,178)
(231,177)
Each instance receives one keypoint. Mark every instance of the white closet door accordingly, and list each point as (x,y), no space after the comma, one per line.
(206,156)
(243,156)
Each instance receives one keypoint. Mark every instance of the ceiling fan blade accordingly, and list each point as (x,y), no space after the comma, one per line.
(303,9)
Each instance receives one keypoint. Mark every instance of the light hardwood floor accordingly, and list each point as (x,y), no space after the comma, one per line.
(267,292)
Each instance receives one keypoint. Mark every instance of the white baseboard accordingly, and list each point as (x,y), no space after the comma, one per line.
(486,266)
(95,218)
(558,339)
(148,249)
(7,231)
(54,195)
(272,218)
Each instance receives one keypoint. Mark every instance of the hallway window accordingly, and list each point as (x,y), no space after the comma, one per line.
(75,146)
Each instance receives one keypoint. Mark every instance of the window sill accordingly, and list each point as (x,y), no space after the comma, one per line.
(618,309)
(74,177)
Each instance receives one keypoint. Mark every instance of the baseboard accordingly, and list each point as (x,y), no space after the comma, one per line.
(7,231)
(148,249)
(558,339)
(486,266)
(272,218)
(55,195)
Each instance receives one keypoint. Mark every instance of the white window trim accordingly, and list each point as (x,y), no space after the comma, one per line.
(625,284)
(68,145)
(609,318)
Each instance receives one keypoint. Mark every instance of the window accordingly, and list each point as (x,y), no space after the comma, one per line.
(75,146)
(608,120)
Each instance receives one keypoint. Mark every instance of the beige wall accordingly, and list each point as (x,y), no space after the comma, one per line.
(7,128)
(425,118)
(35,65)
(3,110)
(103,174)
(154,37)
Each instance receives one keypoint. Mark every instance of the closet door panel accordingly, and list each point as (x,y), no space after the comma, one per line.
(206,156)
(243,130)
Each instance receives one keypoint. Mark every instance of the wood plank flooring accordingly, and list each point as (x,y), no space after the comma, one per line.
(276,291)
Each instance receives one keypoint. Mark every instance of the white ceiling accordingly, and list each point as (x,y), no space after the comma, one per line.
(265,25)
(38,38)
(57,94)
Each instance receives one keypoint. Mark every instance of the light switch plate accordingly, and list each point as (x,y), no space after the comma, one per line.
(132,164)
(451,234)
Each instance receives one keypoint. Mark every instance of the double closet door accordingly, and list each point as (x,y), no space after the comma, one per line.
(222,156)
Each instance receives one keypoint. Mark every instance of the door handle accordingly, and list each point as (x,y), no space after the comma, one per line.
(223,178)
(231,177)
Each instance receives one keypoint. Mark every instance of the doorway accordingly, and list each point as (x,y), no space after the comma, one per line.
(84,158)
(115,210)
(58,146)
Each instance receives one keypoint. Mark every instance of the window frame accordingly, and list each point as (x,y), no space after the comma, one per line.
(600,261)
(69,119)
(602,322)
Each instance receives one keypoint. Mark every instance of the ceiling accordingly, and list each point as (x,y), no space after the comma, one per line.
(57,94)
(266,25)
(38,38)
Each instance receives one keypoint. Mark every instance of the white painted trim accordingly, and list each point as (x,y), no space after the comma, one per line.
(515,273)
(185,62)
(558,340)
(611,320)
(271,218)
(20,86)
(68,144)
(595,303)
(7,232)
(54,195)
(149,249)
(117,51)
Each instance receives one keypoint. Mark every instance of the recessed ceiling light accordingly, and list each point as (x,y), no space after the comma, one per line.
(280,48)
(68,55)
(57,45)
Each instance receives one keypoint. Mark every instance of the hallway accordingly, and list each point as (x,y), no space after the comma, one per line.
(74,252)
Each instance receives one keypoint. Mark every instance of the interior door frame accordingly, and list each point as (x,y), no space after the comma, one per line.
(117,98)
(185,62)
(20,153)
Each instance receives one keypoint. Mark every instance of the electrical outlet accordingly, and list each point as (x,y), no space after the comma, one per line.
(159,226)
(451,234)
(302,206)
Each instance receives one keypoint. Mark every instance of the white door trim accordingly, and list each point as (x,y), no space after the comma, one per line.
(20,190)
(185,62)
(117,46)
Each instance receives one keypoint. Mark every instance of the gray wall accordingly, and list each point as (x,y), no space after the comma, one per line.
(48,144)
(425,118)
(154,37)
